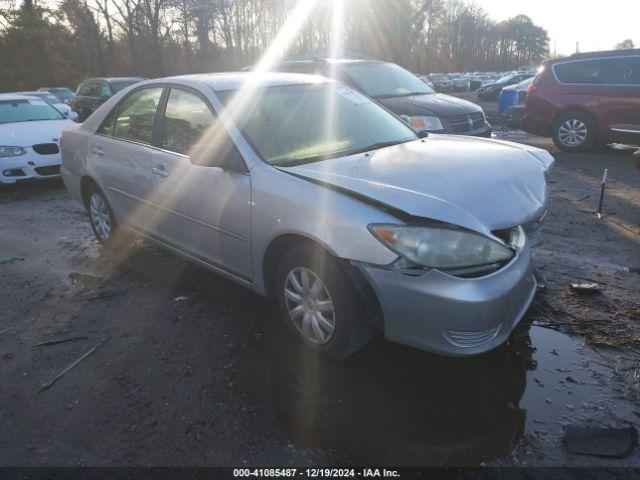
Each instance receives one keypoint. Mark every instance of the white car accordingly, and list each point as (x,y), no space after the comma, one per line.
(30,132)
(55,101)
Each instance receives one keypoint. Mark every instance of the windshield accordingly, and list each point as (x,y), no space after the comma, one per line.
(27,111)
(504,79)
(118,85)
(439,78)
(63,93)
(385,80)
(44,96)
(525,83)
(295,124)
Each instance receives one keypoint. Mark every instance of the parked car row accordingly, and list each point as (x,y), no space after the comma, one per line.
(464,82)
(492,90)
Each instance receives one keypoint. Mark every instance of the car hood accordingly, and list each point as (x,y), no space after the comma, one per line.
(25,134)
(429,104)
(479,184)
(489,86)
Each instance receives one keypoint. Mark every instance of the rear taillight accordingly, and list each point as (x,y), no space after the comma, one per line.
(531,88)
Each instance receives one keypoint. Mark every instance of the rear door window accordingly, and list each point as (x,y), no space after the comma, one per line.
(133,119)
(105,91)
(583,71)
(622,71)
(93,89)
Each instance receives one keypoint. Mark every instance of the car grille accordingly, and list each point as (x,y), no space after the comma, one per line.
(471,339)
(48,170)
(467,123)
(46,148)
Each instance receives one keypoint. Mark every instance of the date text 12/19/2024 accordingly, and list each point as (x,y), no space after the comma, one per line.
(315,473)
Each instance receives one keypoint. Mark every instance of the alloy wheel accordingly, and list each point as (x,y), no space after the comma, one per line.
(309,305)
(572,133)
(100,217)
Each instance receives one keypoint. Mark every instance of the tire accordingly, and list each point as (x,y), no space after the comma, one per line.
(343,330)
(574,132)
(103,222)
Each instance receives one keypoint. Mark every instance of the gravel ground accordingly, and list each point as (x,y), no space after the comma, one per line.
(188,369)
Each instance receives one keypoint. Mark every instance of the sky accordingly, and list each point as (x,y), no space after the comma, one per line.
(596,24)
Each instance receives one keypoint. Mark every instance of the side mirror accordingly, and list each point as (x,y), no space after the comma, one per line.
(72,116)
(232,161)
(423,134)
(225,156)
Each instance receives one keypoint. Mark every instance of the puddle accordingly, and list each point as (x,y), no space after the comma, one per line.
(398,406)
(85,280)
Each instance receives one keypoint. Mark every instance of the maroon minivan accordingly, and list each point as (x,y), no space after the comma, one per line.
(586,100)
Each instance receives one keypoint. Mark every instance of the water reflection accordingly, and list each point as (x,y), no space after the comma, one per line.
(399,406)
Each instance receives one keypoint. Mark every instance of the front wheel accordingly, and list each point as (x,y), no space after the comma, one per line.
(574,132)
(318,304)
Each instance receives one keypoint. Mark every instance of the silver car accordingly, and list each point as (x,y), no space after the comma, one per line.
(306,191)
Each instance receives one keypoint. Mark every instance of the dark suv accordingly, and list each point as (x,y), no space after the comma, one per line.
(586,100)
(95,91)
(402,93)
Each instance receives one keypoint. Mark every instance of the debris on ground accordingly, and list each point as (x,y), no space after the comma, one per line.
(85,280)
(180,299)
(589,287)
(540,280)
(11,260)
(107,295)
(601,442)
(64,340)
(46,385)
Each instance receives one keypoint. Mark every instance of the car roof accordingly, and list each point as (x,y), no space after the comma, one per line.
(34,92)
(115,79)
(601,54)
(14,96)
(235,80)
(339,61)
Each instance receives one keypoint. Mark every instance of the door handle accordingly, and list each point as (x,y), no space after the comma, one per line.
(159,171)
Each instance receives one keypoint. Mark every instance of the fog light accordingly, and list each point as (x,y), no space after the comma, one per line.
(14,172)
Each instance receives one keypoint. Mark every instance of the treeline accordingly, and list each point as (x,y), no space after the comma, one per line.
(41,44)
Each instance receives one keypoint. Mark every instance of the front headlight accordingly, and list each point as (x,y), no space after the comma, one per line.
(12,151)
(423,122)
(441,246)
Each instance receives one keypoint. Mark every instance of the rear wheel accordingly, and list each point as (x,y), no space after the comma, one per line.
(318,304)
(574,132)
(103,222)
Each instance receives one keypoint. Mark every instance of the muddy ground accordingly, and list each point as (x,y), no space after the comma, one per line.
(188,369)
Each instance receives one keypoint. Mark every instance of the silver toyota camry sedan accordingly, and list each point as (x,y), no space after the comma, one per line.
(306,191)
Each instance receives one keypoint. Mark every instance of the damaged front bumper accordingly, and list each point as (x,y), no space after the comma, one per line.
(451,315)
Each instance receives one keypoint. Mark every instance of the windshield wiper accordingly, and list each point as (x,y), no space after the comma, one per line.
(379,145)
(390,95)
(345,153)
